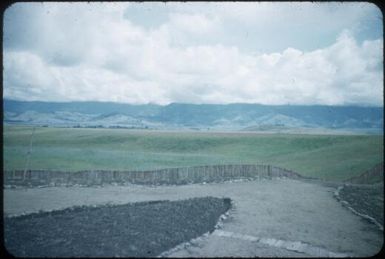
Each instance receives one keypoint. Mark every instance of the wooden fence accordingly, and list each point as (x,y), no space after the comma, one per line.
(169,176)
(373,175)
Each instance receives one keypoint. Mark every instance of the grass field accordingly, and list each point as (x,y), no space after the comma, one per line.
(329,157)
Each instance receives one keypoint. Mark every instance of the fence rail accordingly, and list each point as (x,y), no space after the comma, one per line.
(176,176)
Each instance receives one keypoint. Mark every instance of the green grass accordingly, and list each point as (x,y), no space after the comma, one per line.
(330,157)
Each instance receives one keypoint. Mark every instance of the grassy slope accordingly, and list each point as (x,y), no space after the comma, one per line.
(322,156)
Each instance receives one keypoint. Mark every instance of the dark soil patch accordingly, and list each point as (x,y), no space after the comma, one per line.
(366,199)
(130,230)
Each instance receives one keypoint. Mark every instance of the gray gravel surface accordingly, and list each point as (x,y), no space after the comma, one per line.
(279,217)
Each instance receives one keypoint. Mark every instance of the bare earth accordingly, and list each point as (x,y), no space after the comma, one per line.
(279,217)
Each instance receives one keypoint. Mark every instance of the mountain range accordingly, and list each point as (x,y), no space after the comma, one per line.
(237,117)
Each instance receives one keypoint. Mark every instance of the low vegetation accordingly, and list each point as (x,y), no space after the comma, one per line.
(329,157)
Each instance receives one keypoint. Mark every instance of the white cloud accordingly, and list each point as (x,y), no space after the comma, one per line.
(99,54)
(192,23)
(26,76)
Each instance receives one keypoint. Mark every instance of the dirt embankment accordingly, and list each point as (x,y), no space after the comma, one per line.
(130,230)
(364,195)
(365,200)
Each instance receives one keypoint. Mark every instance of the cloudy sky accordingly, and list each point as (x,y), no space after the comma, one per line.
(229,52)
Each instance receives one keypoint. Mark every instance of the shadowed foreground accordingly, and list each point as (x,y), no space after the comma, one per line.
(136,229)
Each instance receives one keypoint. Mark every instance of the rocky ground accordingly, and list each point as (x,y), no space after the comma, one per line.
(129,230)
(365,199)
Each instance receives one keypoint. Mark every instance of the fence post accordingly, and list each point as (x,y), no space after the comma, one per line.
(28,154)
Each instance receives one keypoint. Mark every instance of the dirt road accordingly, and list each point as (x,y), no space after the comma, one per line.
(279,217)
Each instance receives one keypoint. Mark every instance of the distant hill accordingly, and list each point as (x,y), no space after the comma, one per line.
(251,117)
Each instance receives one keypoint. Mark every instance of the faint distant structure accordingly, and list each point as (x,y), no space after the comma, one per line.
(28,155)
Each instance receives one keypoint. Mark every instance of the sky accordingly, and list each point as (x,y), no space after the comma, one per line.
(272,53)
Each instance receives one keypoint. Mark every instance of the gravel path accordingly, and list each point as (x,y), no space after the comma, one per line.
(279,217)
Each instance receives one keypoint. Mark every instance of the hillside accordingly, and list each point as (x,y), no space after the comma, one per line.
(332,157)
(250,117)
